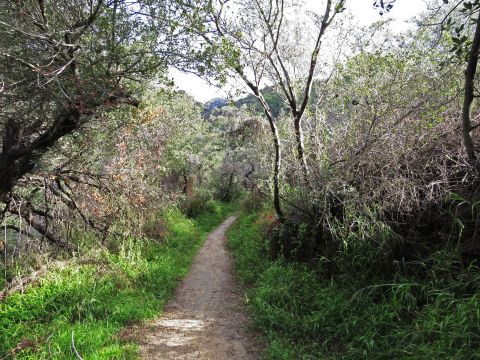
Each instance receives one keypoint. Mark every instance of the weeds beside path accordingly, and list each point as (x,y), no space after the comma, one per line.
(338,310)
(95,299)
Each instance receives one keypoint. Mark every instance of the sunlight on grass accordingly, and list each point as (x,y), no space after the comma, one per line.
(94,301)
(308,312)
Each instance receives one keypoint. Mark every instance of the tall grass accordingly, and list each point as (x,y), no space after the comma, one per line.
(92,298)
(337,309)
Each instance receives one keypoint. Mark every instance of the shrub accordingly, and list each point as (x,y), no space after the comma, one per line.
(342,308)
(201,202)
(253,201)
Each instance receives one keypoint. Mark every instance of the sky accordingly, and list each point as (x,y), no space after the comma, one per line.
(364,14)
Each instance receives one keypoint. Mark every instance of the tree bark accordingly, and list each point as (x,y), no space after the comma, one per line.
(18,158)
(20,154)
(301,148)
(190,186)
(470,73)
(276,172)
(278,156)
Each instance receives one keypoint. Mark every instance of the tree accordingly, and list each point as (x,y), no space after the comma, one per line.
(63,63)
(462,20)
(469,95)
(462,23)
(259,42)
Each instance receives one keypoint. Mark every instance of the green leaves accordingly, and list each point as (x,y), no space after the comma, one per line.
(470,6)
(340,7)
(461,45)
(459,24)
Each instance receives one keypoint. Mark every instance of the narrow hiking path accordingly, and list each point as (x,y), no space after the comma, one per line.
(206,319)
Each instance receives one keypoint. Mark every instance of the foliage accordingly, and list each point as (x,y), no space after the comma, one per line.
(113,178)
(126,165)
(73,62)
(331,309)
(200,203)
(96,295)
(381,148)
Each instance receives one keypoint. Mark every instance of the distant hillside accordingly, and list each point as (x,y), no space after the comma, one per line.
(275,102)
(215,104)
(273,99)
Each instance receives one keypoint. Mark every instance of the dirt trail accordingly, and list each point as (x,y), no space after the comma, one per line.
(206,319)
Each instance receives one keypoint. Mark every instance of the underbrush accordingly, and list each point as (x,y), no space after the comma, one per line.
(349,307)
(200,203)
(89,299)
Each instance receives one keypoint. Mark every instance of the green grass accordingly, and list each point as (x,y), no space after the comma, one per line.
(314,312)
(94,301)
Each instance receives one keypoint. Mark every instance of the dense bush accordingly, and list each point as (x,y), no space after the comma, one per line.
(346,308)
(197,204)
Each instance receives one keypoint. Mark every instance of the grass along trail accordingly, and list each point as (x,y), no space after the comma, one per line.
(100,296)
(206,319)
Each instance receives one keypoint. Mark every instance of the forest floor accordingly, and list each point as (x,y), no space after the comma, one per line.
(206,319)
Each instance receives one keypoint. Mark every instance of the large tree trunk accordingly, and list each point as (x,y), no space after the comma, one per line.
(190,186)
(226,196)
(470,73)
(12,141)
(20,154)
